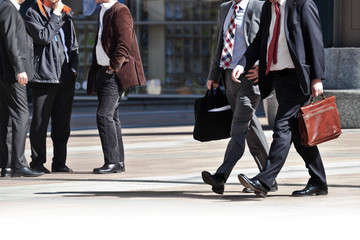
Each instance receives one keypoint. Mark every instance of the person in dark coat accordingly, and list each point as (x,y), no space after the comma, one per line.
(289,47)
(16,69)
(56,51)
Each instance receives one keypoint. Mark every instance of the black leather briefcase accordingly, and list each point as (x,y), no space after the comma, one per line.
(213,117)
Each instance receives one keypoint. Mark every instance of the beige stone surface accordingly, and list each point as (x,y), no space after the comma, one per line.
(161,195)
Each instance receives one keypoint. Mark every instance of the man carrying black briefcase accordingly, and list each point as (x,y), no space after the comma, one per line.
(237,27)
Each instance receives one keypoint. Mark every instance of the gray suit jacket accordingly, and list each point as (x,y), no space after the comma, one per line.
(251,27)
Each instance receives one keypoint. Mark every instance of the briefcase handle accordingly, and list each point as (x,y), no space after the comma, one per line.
(312,98)
(218,92)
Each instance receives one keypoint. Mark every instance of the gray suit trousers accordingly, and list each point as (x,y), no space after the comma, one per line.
(245,126)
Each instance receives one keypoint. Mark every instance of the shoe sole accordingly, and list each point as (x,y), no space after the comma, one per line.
(309,195)
(19,175)
(248,185)
(209,180)
(116,171)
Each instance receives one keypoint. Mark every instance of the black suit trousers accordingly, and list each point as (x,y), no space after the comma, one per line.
(13,106)
(52,101)
(286,131)
(5,141)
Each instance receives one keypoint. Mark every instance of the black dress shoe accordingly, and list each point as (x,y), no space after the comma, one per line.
(254,185)
(5,172)
(311,190)
(110,168)
(26,172)
(39,167)
(273,188)
(215,181)
(248,190)
(64,169)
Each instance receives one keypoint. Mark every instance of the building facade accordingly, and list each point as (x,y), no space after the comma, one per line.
(177,37)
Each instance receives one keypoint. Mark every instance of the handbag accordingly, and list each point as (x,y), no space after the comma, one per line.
(319,122)
(213,116)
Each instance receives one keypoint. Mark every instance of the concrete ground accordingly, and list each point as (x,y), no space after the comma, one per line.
(161,195)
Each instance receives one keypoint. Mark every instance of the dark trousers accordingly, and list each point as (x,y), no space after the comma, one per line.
(109,94)
(13,108)
(286,131)
(245,126)
(52,101)
(5,143)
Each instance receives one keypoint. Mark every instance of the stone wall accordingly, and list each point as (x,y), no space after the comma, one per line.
(342,69)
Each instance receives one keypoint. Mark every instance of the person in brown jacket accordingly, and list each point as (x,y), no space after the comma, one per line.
(116,67)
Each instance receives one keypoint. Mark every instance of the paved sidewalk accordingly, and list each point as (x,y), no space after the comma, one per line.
(161,195)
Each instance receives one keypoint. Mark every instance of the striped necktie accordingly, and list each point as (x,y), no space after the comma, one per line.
(227,52)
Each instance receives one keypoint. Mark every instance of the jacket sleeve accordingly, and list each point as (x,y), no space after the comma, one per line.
(252,53)
(8,26)
(42,33)
(313,41)
(215,70)
(74,49)
(123,34)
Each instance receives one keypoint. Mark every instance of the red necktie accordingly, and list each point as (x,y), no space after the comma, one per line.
(272,51)
(227,52)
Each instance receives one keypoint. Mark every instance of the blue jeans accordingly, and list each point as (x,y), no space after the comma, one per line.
(109,94)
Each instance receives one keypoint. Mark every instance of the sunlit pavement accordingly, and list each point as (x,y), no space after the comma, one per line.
(161,195)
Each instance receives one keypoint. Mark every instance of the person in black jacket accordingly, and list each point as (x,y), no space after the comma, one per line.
(289,47)
(15,70)
(49,22)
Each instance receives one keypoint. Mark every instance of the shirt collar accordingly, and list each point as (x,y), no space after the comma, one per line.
(282,2)
(108,5)
(47,9)
(16,4)
(243,4)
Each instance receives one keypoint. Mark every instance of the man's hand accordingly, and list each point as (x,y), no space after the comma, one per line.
(212,83)
(58,7)
(253,74)
(238,70)
(22,78)
(316,87)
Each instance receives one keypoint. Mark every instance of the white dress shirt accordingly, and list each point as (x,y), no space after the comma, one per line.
(16,4)
(283,56)
(239,41)
(101,57)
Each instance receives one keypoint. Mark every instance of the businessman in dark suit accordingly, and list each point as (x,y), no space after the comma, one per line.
(289,46)
(239,18)
(15,69)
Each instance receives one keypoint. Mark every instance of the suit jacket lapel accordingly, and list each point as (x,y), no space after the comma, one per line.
(267,22)
(108,15)
(288,14)
(224,12)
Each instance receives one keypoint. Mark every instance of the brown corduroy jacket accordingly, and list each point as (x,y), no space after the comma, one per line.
(120,44)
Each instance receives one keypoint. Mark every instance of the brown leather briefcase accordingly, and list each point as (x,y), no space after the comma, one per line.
(319,122)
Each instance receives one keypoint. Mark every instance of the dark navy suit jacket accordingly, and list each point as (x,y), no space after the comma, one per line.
(304,39)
